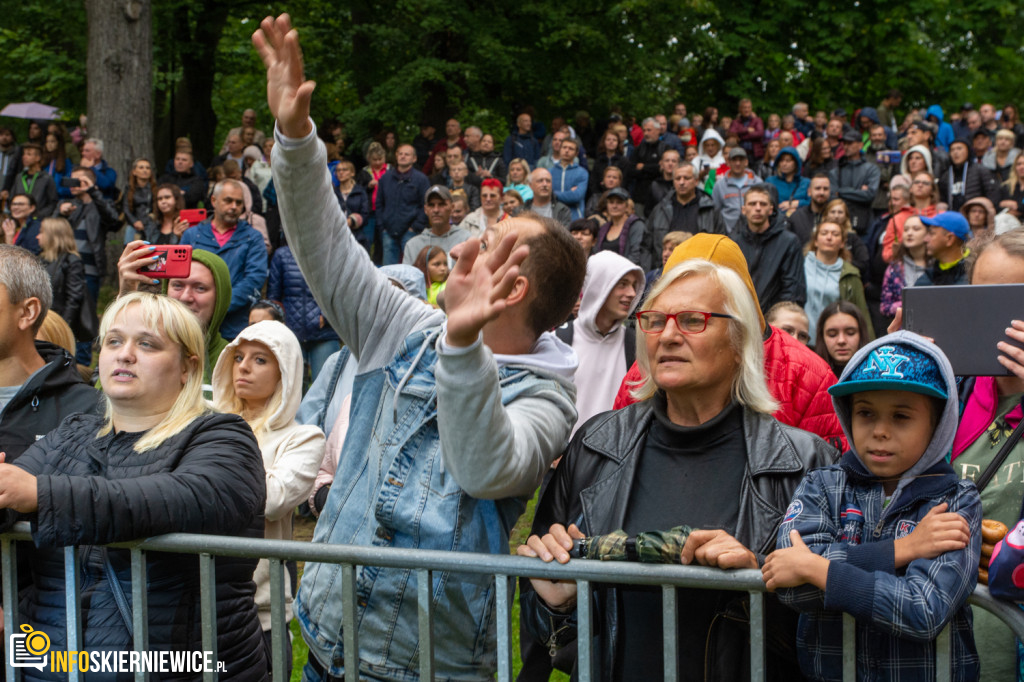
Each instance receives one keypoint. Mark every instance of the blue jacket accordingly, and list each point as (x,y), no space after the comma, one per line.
(521,147)
(288,286)
(563,182)
(357,203)
(400,198)
(945,135)
(839,514)
(900,612)
(246,258)
(106,180)
(795,188)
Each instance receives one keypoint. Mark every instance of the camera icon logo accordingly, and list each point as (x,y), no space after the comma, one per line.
(29,648)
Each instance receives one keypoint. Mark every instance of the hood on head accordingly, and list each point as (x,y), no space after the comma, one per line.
(925,152)
(604,270)
(936,111)
(285,347)
(711,134)
(945,430)
(222,291)
(720,250)
(871,113)
(985,203)
(409,278)
(791,151)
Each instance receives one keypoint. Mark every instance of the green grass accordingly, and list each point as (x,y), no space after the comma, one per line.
(300,652)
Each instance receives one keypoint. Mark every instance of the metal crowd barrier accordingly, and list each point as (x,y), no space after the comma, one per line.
(424,562)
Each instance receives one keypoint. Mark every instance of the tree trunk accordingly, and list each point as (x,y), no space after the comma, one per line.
(120,81)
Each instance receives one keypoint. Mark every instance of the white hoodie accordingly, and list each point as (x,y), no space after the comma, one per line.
(702,160)
(291,451)
(602,356)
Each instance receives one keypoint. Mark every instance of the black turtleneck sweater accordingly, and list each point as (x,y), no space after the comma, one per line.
(686,476)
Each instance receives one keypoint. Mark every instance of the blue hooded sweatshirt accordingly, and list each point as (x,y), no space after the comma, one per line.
(795,188)
(945,136)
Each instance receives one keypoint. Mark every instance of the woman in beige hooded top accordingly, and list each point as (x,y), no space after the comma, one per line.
(259,377)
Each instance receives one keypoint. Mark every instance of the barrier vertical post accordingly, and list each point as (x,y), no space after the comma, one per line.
(501,588)
(426,624)
(140,607)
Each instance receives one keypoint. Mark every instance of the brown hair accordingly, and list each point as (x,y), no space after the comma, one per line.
(179,200)
(555,269)
(133,183)
(423,258)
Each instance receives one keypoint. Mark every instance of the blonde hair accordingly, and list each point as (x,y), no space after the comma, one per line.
(181,327)
(55,330)
(60,239)
(748,383)
(230,402)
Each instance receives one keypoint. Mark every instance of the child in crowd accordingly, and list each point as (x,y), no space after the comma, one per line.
(889,535)
(432,261)
(668,244)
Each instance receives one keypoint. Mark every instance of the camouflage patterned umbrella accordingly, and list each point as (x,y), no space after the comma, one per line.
(652,547)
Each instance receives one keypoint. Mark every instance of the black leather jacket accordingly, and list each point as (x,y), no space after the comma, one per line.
(591,488)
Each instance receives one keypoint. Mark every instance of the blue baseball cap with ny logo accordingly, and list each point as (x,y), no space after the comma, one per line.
(894,367)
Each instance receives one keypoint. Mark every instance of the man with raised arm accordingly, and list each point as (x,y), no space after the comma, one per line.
(453,422)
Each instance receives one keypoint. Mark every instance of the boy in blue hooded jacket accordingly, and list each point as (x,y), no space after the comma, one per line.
(888,535)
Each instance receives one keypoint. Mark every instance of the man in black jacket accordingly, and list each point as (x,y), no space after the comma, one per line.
(774,254)
(39,383)
(965,179)
(184,176)
(856,181)
(646,160)
(687,209)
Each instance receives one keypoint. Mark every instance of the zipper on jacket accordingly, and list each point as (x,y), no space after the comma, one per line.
(35,403)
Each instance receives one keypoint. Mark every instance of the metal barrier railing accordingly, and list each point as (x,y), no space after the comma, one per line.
(424,562)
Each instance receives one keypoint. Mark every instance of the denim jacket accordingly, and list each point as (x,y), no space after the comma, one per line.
(444,447)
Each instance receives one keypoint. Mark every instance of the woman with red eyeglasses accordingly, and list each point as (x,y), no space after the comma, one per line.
(700,451)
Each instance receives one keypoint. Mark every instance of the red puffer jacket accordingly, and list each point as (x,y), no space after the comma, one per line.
(796,377)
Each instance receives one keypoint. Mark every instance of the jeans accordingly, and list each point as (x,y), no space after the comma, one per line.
(393,247)
(314,672)
(315,354)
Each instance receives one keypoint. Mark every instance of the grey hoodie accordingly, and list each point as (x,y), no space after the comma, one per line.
(942,439)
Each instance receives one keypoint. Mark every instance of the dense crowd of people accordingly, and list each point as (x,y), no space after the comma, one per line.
(682,330)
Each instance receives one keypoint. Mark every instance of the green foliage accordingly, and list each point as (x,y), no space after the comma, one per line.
(395,64)
(42,64)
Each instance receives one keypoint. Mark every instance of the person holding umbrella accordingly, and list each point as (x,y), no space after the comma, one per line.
(700,449)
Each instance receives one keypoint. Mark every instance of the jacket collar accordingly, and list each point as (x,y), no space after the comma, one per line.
(610,440)
(931,484)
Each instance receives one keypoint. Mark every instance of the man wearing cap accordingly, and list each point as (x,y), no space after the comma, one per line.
(438,207)
(543,202)
(945,241)
(399,209)
(980,144)
(731,188)
(856,181)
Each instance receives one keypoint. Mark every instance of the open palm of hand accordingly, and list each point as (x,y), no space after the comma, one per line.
(288,93)
(478,285)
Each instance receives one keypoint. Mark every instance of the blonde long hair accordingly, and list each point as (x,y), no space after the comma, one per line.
(748,383)
(60,239)
(181,327)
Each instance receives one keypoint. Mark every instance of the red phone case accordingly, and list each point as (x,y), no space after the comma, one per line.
(175,261)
